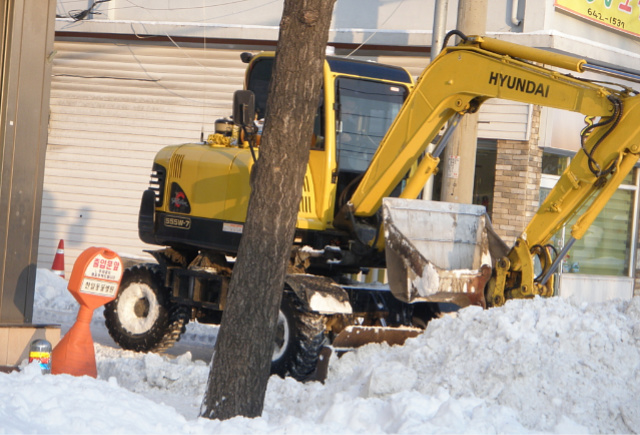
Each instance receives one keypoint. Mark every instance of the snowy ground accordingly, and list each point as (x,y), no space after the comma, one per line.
(537,366)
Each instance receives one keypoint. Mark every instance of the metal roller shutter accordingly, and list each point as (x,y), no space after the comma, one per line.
(113,106)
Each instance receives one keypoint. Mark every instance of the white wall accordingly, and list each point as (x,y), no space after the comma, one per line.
(354,14)
(593,288)
(388,22)
(403,23)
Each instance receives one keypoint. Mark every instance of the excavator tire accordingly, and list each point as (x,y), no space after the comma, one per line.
(299,340)
(141,318)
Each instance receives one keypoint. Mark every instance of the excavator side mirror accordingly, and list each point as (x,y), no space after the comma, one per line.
(244,108)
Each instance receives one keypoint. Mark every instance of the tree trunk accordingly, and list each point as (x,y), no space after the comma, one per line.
(241,364)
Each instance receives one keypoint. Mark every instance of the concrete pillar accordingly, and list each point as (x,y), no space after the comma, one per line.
(459,158)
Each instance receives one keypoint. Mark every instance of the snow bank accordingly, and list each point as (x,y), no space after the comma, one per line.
(536,366)
(557,366)
(36,403)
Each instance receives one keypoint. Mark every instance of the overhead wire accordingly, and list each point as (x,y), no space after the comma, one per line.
(150,9)
(377,30)
(81,14)
(181,8)
(157,81)
(196,61)
(134,5)
(172,40)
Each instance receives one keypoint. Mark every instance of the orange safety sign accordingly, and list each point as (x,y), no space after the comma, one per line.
(94,282)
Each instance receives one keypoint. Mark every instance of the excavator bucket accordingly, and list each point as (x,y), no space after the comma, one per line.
(438,251)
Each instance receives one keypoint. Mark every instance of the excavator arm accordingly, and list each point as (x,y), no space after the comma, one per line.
(610,151)
(458,81)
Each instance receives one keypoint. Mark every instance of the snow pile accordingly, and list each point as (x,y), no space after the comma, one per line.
(53,303)
(34,403)
(537,366)
(548,361)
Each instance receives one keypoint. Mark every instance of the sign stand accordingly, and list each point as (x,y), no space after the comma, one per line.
(94,282)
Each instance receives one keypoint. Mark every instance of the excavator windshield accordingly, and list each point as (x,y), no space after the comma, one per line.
(366,109)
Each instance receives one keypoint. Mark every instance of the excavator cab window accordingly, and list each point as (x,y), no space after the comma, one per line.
(317,141)
(365,110)
(258,82)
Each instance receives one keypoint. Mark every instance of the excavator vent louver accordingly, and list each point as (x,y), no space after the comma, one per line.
(175,165)
(305,203)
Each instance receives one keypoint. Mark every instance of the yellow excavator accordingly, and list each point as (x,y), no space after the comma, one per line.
(367,165)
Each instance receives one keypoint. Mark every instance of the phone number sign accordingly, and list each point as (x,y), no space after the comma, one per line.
(623,15)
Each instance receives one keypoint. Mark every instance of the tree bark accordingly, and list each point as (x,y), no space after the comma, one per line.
(241,364)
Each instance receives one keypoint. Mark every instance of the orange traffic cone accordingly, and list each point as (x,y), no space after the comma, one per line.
(58,260)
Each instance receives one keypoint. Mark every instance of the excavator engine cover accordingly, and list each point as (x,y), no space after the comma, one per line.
(438,251)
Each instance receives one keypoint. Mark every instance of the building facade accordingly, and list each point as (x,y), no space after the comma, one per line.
(130,77)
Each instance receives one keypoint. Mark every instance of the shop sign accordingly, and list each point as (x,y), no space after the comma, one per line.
(623,15)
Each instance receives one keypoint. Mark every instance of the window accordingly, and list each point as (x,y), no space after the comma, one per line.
(366,110)
(607,247)
(554,164)
(259,77)
(485,175)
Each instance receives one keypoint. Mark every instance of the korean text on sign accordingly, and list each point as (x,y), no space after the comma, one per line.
(103,268)
(100,288)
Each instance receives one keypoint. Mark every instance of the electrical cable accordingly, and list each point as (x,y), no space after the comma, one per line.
(79,15)
(133,5)
(236,12)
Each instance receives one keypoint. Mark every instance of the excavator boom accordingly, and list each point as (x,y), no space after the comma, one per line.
(458,81)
